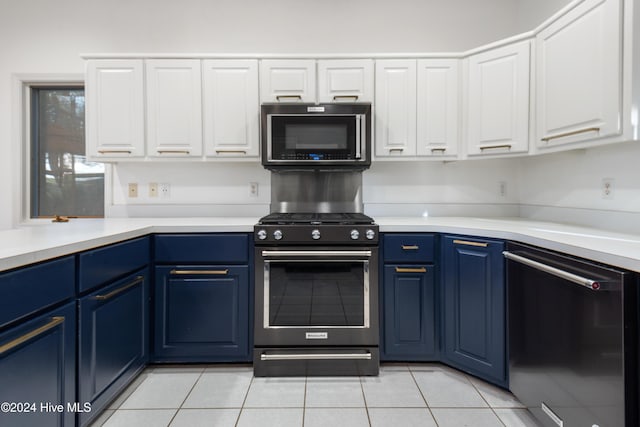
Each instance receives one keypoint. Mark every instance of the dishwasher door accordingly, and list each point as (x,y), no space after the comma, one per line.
(572,330)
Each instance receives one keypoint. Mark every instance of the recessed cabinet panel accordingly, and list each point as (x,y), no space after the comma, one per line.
(345,80)
(202,313)
(579,60)
(498,101)
(231,108)
(174,108)
(474,306)
(115,108)
(409,311)
(37,366)
(438,115)
(288,80)
(395,108)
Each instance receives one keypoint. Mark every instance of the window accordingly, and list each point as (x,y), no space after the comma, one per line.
(63,181)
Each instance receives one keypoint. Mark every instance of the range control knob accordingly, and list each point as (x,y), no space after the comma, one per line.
(315,234)
(370,234)
(262,234)
(355,234)
(277,234)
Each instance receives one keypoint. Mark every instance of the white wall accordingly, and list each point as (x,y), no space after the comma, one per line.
(47,37)
(531,13)
(568,187)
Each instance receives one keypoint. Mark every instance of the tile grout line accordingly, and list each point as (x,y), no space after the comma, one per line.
(364,399)
(423,398)
(304,399)
(244,401)
(186,397)
(485,400)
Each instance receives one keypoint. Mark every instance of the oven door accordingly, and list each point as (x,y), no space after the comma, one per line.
(316,297)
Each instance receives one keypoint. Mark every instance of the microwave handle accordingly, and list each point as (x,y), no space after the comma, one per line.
(359,132)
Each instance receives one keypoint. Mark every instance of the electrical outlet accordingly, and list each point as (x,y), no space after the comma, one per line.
(164,189)
(253,189)
(608,188)
(133,189)
(153,189)
(502,188)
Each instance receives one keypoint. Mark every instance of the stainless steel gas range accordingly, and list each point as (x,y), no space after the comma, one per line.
(316,295)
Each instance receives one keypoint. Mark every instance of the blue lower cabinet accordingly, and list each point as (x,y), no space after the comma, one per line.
(113,340)
(473,287)
(37,371)
(409,313)
(202,313)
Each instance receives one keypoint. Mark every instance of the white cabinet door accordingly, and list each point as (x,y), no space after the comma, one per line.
(231,108)
(438,113)
(345,80)
(395,108)
(174,108)
(288,80)
(498,101)
(579,60)
(115,109)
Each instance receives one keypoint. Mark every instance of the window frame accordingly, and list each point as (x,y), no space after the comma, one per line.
(22,201)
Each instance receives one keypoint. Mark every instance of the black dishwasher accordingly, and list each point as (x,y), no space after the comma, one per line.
(573,338)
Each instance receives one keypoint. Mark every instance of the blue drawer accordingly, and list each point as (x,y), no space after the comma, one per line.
(409,248)
(30,289)
(103,265)
(202,248)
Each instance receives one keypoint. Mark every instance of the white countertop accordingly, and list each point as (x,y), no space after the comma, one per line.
(44,240)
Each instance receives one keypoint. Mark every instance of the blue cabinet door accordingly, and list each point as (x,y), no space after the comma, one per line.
(409,313)
(202,313)
(113,340)
(474,306)
(37,367)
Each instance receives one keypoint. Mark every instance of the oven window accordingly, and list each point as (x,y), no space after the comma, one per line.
(316,294)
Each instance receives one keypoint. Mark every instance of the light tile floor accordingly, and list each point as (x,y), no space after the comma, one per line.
(408,395)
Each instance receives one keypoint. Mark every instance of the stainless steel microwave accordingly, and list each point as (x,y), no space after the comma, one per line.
(316,136)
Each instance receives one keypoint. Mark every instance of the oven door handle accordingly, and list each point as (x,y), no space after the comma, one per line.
(320,356)
(316,253)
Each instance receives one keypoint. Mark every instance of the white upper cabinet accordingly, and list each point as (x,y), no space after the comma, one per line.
(438,118)
(288,80)
(174,108)
(231,108)
(345,80)
(115,109)
(579,75)
(498,101)
(395,108)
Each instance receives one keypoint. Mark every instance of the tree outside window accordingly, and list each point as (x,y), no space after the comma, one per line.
(63,181)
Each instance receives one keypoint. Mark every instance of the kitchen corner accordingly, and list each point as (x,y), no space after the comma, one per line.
(43,240)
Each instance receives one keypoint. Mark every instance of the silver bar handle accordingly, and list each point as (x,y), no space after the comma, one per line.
(114,151)
(298,97)
(593,285)
(572,133)
(138,279)
(200,272)
(495,147)
(316,253)
(231,152)
(321,356)
(55,321)
(173,151)
(358,136)
(346,97)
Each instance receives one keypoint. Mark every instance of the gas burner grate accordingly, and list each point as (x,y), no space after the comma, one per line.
(316,218)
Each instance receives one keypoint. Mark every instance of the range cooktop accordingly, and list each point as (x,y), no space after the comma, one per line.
(316,228)
(316,218)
